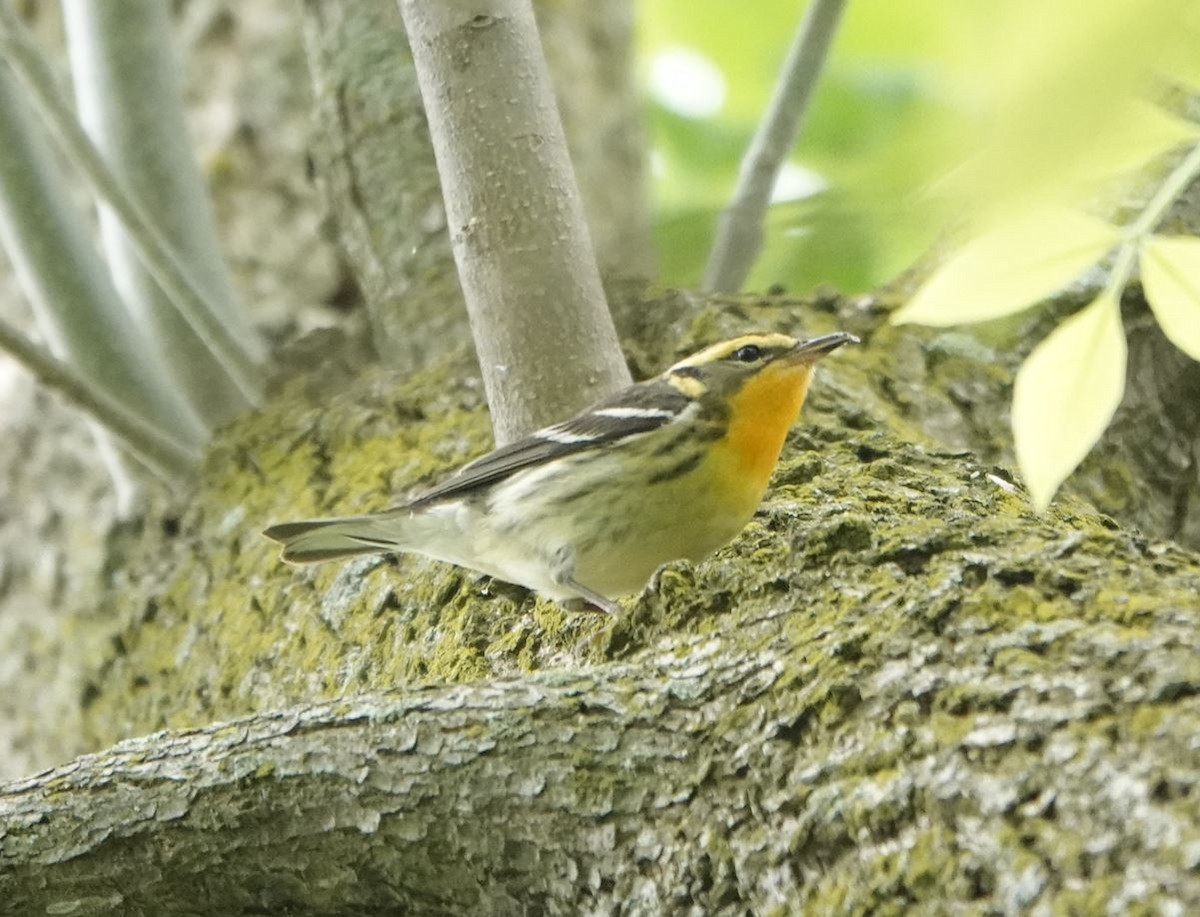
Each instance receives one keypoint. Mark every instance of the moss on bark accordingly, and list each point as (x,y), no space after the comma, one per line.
(899,688)
(220,628)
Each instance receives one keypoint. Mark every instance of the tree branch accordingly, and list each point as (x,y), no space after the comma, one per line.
(238,357)
(73,299)
(542,329)
(128,90)
(916,748)
(739,231)
(162,454)
(374,158)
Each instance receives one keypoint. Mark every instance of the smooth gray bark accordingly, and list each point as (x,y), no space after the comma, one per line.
(78,310)
(129,96)
(372,152)
(524,256)
(740,228)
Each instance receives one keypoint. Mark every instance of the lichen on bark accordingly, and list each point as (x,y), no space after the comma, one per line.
(899,687)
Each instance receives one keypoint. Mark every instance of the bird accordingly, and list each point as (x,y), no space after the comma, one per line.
(584,511)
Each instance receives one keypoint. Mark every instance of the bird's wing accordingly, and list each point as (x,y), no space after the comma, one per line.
(635,410)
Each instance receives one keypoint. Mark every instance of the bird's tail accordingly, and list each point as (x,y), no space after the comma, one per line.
(315,540)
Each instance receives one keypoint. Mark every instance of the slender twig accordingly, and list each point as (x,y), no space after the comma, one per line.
(545,338)
(238,357)
(162,454)
(1155,211)
(739,231)
(129,96)
(1176,182)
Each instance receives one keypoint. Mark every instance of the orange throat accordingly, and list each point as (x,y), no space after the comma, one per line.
(763,411)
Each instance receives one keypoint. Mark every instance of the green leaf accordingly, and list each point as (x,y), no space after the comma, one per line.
(1171,279)
(1146,131)
(1019,262)
(1066,393)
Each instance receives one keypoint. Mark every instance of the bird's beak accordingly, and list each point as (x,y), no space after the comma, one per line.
(814,348)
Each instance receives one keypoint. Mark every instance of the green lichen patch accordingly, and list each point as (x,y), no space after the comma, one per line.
(872,533)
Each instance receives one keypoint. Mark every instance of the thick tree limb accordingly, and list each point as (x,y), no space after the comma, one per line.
(915,744)
(900,687)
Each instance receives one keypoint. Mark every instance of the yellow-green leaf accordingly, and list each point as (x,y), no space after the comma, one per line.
(1183,64)
(1023,260)
(1066,393)
(1171,279)
(1146,130)
(1187,70)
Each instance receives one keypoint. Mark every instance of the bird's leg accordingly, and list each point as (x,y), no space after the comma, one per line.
(588,597)
(562,572)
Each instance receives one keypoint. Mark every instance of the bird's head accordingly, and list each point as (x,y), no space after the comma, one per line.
(769,361)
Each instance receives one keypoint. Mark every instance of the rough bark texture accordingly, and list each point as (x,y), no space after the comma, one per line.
(1147,469)
(956,385)
(901,689)
(217,628)
(371,149)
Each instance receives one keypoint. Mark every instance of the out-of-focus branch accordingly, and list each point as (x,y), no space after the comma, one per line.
(238,357)
(543,333)
(128,89)
(162,454)
(589,47)
(739,231)
(79,312)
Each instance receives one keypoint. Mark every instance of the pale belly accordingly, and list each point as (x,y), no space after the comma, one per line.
(685,518)
(681,521)
(612,540)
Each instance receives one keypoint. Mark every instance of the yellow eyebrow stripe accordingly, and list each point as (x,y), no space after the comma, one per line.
(686,385)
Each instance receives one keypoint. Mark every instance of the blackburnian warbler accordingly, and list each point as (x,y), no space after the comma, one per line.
(588,509)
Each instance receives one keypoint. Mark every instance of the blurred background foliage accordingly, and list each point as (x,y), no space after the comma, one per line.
(928,111)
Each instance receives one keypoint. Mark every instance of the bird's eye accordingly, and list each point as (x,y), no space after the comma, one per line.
(747,353)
